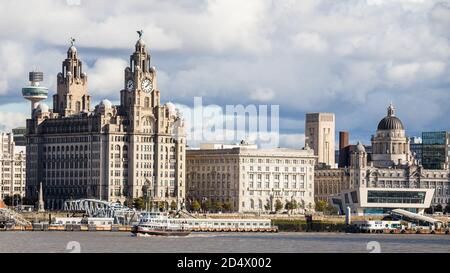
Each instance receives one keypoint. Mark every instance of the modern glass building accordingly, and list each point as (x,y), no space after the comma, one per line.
(415,145)
(435,150)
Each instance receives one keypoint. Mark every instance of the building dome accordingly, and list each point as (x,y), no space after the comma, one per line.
(72,49)
(43,108)
(360,147)
(390,122)
(105,104)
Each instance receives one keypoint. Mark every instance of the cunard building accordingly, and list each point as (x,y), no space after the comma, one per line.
(109,152)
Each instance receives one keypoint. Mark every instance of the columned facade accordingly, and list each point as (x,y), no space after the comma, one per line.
(112,152)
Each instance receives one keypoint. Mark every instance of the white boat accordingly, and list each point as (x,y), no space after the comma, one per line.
(158,223)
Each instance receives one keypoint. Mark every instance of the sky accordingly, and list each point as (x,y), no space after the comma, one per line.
(349,57)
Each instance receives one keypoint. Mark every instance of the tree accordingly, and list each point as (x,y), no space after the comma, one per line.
(438,208)
(447,208)
(139,203)
(278,205)
(294,205)
(173,205)
(321,205)
(196,206)
(7,200)
(227,206)
(218,206)
(162,206)
(129,202)
(207,205)
(331,209)
(267,206)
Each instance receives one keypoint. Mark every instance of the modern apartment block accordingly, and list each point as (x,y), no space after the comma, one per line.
(112,152)
(12,167)
(320,136)
(251,179)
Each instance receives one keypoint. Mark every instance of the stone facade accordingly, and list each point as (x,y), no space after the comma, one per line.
(112,152)
(391,166)
(330,182)
(12,167)
(320,136)
(251,179)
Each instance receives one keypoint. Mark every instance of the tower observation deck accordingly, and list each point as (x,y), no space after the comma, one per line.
(34,92)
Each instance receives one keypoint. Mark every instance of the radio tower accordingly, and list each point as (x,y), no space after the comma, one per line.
(34,92)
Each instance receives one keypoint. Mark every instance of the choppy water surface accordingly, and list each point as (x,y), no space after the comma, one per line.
(221,242)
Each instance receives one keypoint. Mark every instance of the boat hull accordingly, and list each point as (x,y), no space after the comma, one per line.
(156,232)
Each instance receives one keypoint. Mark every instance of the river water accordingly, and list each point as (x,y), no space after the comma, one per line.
(221,242)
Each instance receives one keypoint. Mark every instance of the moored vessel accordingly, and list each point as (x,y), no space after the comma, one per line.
(159,224)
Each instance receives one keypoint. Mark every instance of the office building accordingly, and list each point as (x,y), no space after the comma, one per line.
(436,150)
(12,167)
(251,179)
(320,136)
(112,152)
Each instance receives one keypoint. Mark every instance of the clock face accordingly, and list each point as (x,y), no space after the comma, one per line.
(130,85)
(147,85)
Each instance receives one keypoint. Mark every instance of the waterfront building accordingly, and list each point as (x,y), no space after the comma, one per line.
(415,145)
(251,179)
(386,178)
(112,152)
(12,167)
(329,182)
(436,150)
(320,136)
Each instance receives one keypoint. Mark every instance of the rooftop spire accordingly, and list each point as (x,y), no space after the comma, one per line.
(391,110)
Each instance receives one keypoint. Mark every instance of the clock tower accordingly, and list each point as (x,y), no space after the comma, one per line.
(140,95)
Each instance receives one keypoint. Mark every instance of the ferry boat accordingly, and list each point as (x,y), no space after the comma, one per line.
(158,223)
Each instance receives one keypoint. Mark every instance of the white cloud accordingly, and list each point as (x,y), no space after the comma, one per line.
(105,78)
(262,95)
(348,57)
(10,120)
(416,71)
(310,42)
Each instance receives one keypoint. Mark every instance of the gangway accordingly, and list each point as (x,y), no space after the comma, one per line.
(421,220)
(185,214)
(103,209)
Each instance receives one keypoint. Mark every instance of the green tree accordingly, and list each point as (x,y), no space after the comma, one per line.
(447,208)
(267,205)
(7,200)
(139,203)
(331,209)
(162,205)
(278,205)
(288,206)
(438,208)
(321,205)
(207,205)
(173,205)
(227,206)
(218,206)
(196,206)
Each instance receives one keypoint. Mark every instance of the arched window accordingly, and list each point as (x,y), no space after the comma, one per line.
(77,106)
(147,102)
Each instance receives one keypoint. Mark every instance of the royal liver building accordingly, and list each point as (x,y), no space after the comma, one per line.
(112,152)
